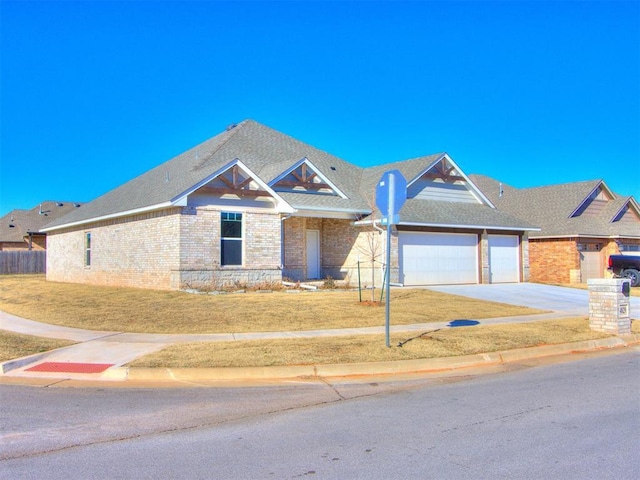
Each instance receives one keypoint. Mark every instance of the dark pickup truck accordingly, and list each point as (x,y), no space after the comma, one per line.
(627,266)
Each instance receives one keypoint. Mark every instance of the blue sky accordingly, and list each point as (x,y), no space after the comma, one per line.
(532,93)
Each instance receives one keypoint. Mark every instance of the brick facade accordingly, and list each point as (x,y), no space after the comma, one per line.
(38,242)
(137,251)
(553,260)
(180,248)
(342,245)
(169,249)
(557,260)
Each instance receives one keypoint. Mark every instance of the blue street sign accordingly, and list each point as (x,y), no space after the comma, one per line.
(391,193)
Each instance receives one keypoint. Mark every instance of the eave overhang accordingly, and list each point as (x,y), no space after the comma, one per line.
(336,213)
(127,213)
(180,200)
(450,225)
(583,235)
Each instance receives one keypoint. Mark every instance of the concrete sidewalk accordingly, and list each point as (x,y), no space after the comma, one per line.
(115,349)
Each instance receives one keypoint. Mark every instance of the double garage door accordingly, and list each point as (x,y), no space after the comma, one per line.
(447,259)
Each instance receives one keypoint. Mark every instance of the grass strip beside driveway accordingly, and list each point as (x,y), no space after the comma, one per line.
(137,310)
(448,342)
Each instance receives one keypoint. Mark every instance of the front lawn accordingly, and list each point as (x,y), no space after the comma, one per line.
(448,342)
(138,310)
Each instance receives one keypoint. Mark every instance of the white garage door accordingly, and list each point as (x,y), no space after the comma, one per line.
(504,258)
(438,258)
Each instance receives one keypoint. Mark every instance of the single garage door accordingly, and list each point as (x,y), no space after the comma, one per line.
(438,258)
(504,258)
(591,262)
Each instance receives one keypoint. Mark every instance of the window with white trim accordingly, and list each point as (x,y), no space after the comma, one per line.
(231,239)
(87,249)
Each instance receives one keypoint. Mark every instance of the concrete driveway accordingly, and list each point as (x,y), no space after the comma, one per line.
(534,295)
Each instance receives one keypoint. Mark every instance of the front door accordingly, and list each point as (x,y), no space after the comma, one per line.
(313,254)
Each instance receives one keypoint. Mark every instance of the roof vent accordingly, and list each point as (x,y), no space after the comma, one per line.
(500,191)
(333,168)
(232,126)
(76,205)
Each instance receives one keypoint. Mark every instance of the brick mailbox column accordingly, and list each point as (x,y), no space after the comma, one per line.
(609,306)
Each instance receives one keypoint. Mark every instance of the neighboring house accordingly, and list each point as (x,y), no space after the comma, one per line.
(20,229)
(253,206)
(581,224)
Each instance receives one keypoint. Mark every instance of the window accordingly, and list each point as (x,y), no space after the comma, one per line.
(629,248)
(87,249)
(231,239)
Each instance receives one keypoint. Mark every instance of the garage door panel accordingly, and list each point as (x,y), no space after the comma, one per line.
(433,259)
(504,258)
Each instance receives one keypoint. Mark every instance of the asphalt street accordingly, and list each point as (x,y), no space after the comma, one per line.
(579,419)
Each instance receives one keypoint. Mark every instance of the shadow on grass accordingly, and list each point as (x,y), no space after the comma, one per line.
(451,324)
(462,323)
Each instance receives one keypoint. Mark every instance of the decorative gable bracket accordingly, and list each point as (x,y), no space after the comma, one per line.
(444,180)
(304,177)
(235,179)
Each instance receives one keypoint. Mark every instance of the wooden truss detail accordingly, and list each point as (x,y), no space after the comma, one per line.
(235,182)
(304,177)
(443,170)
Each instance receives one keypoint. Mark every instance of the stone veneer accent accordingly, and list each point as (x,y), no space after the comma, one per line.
(609,307)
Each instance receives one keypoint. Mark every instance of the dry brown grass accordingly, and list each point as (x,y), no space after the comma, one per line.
(635,291)
(137,310)
(371,348)
(15,345)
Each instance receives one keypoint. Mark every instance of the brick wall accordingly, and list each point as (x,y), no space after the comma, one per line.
(137,251)
(553,260)
(342,245)
(171,249)
(200,265)
(295,254)
(38,242)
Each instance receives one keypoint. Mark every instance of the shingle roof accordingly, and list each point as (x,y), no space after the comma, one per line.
(17,224)
(551,207)
(410,169)
(452,214)
(269,153)
(263,150)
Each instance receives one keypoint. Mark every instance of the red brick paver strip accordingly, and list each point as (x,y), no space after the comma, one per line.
(68,367)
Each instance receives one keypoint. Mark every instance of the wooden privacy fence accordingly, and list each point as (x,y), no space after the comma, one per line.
(33,261)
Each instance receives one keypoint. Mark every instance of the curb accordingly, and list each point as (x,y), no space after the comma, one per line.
(21,362)
(429,365)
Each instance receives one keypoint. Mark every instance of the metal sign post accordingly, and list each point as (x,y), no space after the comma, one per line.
(391,193)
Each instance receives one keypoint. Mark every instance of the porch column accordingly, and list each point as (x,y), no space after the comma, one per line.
(525,256)
(484,256)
